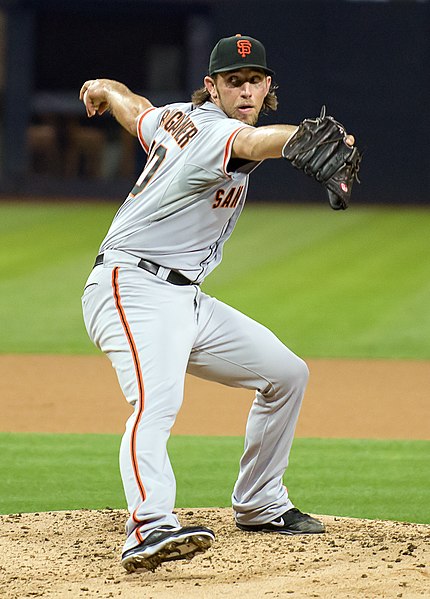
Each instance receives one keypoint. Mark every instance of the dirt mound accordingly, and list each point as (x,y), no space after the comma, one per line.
(76,554)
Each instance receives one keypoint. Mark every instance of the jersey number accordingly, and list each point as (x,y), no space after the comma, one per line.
(153,163)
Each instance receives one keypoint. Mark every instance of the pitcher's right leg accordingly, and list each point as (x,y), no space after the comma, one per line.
(130,318)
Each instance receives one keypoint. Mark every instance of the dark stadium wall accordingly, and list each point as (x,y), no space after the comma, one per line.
(368,62)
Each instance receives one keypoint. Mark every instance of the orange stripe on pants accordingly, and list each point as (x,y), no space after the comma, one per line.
(139,378)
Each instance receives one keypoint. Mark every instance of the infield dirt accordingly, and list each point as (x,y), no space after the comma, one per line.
(367,399)
(76,554)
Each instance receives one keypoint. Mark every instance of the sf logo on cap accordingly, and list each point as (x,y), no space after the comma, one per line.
(244,47)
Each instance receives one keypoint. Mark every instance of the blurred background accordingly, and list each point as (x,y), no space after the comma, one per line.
(368,61)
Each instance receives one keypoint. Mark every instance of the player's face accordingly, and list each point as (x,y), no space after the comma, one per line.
(240,94)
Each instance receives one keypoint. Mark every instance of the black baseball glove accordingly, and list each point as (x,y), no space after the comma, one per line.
(319,149)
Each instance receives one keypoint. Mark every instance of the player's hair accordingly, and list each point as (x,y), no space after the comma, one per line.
(200,96)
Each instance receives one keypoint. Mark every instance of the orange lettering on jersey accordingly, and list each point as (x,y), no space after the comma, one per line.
(173,121)
(227,201)
(179,125)
(218,197)
(164,117)
(185,133)
(228,198)
(237,197)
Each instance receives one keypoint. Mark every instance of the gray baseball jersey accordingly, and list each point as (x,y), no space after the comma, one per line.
(188,198)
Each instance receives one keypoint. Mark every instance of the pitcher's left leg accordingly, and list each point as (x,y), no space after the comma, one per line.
(235,350)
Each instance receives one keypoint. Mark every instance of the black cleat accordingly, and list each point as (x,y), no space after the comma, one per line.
(166,544)
(292,522)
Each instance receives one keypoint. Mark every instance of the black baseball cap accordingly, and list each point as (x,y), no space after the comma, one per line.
(237,52)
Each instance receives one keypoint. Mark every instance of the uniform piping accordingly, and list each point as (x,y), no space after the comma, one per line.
(227,151)
(139,134)
(139,378)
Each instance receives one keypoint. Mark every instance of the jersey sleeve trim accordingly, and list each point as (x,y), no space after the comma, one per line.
(228,147)
(139,133)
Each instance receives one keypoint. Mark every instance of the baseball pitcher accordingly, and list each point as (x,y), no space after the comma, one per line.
(144,308)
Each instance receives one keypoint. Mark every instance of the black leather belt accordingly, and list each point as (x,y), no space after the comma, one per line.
(174,277)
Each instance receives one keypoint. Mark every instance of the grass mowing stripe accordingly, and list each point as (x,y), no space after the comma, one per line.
(351,287)
(358,478)
(376,479)
(350,284)
(43,472)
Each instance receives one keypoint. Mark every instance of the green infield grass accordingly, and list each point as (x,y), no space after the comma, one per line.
(356,478)
(329,284)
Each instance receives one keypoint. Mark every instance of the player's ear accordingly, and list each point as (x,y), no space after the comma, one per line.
(210,86)
(268,83)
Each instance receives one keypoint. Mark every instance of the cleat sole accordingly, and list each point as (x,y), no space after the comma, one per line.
(176,549)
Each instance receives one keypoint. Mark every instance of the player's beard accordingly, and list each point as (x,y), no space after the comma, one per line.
(250,119)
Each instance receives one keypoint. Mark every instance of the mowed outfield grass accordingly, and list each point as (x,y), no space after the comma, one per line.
(345,477)
(329,284)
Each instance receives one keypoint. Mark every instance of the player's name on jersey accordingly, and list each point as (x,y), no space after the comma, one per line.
(179,125)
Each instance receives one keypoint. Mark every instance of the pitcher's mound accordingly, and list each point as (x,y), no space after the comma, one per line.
(76,554)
